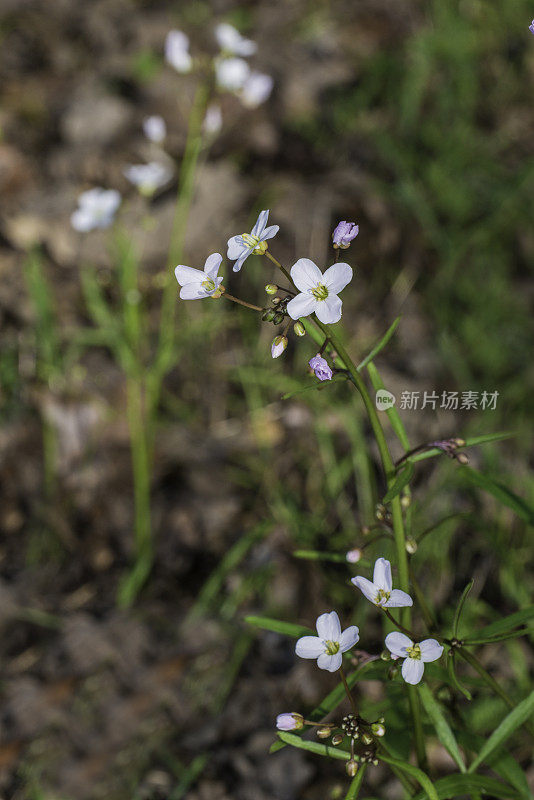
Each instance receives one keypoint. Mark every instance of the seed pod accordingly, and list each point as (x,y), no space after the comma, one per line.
(352,768)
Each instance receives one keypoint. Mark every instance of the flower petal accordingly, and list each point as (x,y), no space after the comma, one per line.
(241,260)
(269,232)
(366,587)
(261,222)
(301,306)
(83,220)
(329,627)
(382,574)
(398,599)
(193,291)
(305,274)
(213,262)
(309,647)
(412,670)
(348,638)
(185,275)
(431,650)
(397,643)
(337,277)
(329,311)
(236,245)
(331,663)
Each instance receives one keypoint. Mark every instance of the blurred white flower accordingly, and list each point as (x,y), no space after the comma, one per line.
(177,51)
(380,591)
(231,41)
(415,655)
(213,120)
(96,209)
(240,247)
(148,177)
(155,129)
(231,73)
(328,647)
(199,283)
(256,89)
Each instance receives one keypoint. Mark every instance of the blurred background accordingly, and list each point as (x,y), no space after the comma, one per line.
(413,119)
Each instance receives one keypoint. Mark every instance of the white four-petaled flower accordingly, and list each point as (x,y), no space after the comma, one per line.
(328,647)
(177,51)
(231,73)
(379,591)
(199,283)
(148,177)
(256,89)
(240,247)
(231,41)
(154,128)
(96,209)
(415,655)
(318,292)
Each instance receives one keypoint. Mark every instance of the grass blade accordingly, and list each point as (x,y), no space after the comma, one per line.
(276,626)
(459,608)
(443,730)
(403,479)
(500,492)
(381,344)
(507,727)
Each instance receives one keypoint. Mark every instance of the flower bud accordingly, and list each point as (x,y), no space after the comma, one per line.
(268,315)
(278,318)
(411,546)
(352,768)
(276,300)
(290,721)
(458,442)
(462,458)
(406,501)
(366,530)
(271,288)
(337,739)
(378,728)
(380,512)
(278,346)
(324,733)
(367,738)
(344,233)
(353,556)
(393,671)
(299,329)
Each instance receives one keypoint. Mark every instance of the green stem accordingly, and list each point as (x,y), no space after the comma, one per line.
(348,691)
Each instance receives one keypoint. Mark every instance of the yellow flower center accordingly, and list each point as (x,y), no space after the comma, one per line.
(320,292)
(414,652)
(382,595)
(254,244)
(331,647)
(208,285)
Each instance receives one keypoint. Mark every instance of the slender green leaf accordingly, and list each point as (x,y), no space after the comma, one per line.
(500,762)
(392,413)
(381,344)
(454,785)
(471,441)
(500,493)
(275,625)
(507,727)
(403,479)
(454,678)
(422,779)
(356,783)
(459,608)
(443,730)
(502,638)
(507,623)
(317,385)
(313,747)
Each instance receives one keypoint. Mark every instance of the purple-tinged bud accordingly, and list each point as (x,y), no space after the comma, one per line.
(344,233)
(290,721)
(320,367)
(531,27)
(353,556)
(278,346)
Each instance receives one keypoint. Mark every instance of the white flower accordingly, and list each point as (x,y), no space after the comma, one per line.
(256,89)
(240,247)
(199,283)
(318,292)
(328,647)
(353,556)
(96,209)
(177,51)
(148,177)
(415,655)
(155,129)
(231,73)
(380,591)
(230,41)
(213,120)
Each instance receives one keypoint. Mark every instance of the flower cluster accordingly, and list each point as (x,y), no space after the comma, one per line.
(311,292)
